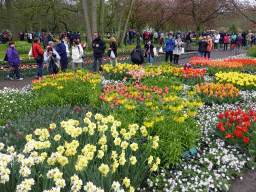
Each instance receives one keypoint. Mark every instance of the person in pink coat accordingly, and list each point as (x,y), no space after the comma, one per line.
(226,41)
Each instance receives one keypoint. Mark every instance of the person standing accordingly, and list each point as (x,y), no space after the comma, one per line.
(146,37)
(49,37)
(202,47)
(155,37)
(248,39)
(233,40)
(39,35)
(209,47)
(170,42)
(99,47)
(178,49)
(125,38)
(62,51)
(38,55)
(71,38)
(161,38)
(239,42)
(30,37)
(138,37)
(13,60)
(130,36)
(66,44)
(216,40)
(113,47)
(226,41)
(77,54)
(52,58)
(45,41)
(149,51)
(137,55)
(188,40)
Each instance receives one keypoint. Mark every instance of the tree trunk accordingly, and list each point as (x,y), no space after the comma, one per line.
(85,11)
(12,20)
(102,16)
(126,23)
(94,16)
(198,28)
(118,37)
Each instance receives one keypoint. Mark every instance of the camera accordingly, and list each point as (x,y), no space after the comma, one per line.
(54,55)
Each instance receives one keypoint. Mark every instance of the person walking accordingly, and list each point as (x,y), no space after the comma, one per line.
(149,52)
(137,55)
(178,50)
(77,55)
(62,51)
(99,47)
(239,42)
(188,40)
(226,41)
(202,47)
(170,42)
(113,47)
(216,40)
(52,59)
(248,39)
(38,55)
(13,60)
(209,47)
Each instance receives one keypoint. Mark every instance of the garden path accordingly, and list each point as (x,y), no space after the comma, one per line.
(248,184)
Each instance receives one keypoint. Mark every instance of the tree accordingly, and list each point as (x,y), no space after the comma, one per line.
(233,28)
(12,20)
(201,12)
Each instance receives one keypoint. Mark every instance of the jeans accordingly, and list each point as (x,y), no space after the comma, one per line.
(247,44)
(40,70)
(188,45)
(16,71)
(75,65)
(208,53)
(200,54)
(113,61)
(225,46)
(95,58)
(176,59)
(149,58)
(215,45)
(169,53)
(130,40)
(238,46)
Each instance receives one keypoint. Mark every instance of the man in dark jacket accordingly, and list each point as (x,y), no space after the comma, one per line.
(99,47)
(61,50)
(71,38)
(137,55)
(202,47)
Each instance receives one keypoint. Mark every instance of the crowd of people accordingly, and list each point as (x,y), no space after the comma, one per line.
(175,43)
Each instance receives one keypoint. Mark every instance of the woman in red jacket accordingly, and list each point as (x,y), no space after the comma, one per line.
(226,41)
(38,55)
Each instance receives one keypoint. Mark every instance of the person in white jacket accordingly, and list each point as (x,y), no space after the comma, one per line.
(77,54)
(216,40)
(52,60)
(178,50)
(66,44)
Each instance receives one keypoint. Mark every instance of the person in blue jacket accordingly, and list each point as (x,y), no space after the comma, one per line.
(61,50)
(13,60)
(170,42)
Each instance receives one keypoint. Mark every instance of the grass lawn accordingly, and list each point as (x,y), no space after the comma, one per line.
(3,47)
(21,55)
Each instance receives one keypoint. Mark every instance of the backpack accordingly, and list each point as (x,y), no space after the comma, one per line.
(136,56)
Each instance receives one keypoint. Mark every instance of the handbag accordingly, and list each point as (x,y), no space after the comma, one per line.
(30,54)
(112,55)
(39,58)
(6,57)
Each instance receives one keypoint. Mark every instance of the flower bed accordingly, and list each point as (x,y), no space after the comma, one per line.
(241,80)
(218,93)
(231,65)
